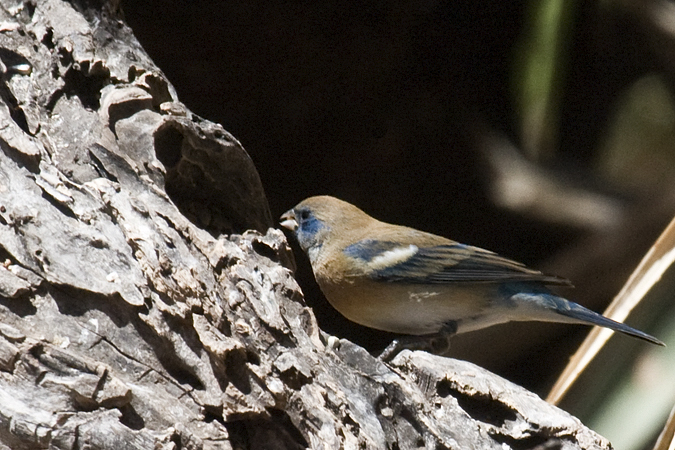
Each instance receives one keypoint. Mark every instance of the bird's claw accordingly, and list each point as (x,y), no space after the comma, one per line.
(438,344)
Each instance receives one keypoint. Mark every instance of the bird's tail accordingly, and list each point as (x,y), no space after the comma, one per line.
(574,313)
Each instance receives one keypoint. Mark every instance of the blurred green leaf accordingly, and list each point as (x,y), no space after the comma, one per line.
(539,71)
(638,152)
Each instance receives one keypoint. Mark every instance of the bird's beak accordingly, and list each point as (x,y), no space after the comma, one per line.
(288,220)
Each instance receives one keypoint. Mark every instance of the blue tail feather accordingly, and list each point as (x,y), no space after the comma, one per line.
(576,311)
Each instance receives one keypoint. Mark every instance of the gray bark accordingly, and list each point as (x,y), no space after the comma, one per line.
(137,312)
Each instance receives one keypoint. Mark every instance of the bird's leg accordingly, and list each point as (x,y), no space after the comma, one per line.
(437,343)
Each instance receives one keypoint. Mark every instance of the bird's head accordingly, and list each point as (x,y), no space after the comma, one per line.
(316,220)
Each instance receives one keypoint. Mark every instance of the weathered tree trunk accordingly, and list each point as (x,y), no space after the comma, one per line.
(133,314)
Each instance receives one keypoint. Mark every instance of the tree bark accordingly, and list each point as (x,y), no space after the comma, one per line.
(137,311)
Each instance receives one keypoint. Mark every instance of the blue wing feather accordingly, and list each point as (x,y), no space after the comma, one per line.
(450,263)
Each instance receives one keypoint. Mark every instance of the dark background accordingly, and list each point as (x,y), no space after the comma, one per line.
(381,103)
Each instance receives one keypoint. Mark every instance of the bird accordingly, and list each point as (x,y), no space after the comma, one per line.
(398,279)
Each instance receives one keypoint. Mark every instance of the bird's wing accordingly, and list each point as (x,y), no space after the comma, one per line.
(439,264)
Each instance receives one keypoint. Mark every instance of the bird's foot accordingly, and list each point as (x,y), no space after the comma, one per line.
(407,342)
(437,343)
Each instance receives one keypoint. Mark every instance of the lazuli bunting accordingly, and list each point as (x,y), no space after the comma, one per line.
(402,280)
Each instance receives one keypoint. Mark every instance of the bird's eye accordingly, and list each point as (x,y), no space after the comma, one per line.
(304,214)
